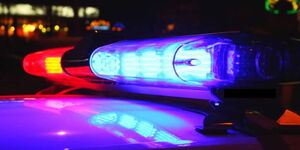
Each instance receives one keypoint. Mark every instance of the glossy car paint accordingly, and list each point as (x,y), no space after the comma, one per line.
(104,123)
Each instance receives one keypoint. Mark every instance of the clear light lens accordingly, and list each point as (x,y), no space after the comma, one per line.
(187,60)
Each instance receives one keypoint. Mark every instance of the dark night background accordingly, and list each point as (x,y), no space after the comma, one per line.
(143,19)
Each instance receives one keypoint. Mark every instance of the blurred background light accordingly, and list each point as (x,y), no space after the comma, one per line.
(282,6)
(27,10)
(88,12)
(63,11)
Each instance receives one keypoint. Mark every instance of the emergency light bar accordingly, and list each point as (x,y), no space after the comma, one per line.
(220,60)
(193,61)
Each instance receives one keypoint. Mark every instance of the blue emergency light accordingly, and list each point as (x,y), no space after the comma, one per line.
(190,61)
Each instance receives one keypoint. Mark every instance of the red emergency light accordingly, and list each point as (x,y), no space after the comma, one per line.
(46,63)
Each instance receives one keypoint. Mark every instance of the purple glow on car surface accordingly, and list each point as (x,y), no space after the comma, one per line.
(61,133)
(137,126)
(95,122)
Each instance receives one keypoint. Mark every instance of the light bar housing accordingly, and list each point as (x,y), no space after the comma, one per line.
(198,61)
